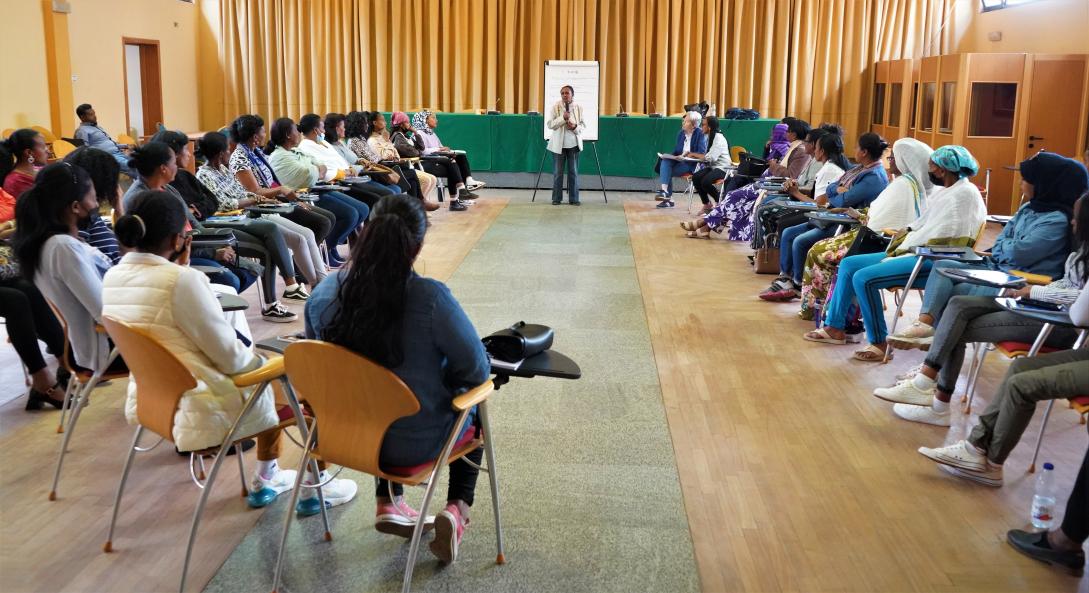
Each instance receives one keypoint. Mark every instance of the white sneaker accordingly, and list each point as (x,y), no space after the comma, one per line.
(910,373)
(960,455)
(921,414)
(905,392)
(913,336)
(265,490)
(335,492)
(992,476)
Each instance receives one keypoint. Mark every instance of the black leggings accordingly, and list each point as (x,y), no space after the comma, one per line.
(462,484)
(704,181)
(1076,521)
(409,182)
(441,166)
(29,318)
(319,220)
(463,165)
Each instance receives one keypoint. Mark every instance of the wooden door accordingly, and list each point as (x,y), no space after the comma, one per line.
(1056,101)
(143,85)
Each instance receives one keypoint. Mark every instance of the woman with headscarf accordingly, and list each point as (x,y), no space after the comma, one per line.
(425,123)
(1036,240)
(736,208)
(954,215)
(407,140)
(902,201)
(689,139)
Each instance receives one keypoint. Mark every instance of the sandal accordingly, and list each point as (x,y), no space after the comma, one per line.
(36,398)
(871,353)
(821,335)
(698,235)
(688,225)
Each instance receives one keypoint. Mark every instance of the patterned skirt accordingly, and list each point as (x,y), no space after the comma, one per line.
(820,268)
(734,214)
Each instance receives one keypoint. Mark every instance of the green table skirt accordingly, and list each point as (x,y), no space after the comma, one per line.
(628,146)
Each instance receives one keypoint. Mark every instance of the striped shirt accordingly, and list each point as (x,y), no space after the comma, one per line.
(1064,290)
(100,236)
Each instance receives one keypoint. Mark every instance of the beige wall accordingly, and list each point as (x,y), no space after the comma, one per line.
(24,101)
(95,31)
(1045,26)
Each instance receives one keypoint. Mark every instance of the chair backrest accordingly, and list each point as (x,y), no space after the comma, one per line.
(735,153)
(46,133)
(354,400)
(61,148)
(161,379)
(126,139)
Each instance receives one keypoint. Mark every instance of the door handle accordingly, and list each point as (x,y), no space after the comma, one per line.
(1031,138)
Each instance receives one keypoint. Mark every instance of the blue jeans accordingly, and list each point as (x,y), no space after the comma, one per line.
(571,157)
(862,277)
(940,289)
(795,244)
(237,278)
(349,211)
(668,169)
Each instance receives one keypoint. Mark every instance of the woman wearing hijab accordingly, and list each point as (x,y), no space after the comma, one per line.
(1036,240)
(690,139)
(425,123)
(736,207)
(902,201)
(408,143)
(954,215)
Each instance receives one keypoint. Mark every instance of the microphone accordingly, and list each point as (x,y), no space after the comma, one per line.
(653,113)
(622,113)
(496,110)
(567,107)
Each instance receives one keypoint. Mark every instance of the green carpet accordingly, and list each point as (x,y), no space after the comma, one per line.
(590,496)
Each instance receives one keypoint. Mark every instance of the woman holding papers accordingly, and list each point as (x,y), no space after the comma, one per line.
(689,140)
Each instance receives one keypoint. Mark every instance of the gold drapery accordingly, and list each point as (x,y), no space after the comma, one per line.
(809,58)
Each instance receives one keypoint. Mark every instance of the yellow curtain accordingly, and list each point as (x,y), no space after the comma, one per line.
(808,58)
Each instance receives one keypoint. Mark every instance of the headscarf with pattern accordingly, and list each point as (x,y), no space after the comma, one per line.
(956,159)
(419,122)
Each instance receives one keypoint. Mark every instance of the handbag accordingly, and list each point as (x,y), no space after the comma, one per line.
(9,266)
(867,241)
(519,341)
(766,260)
(751,166)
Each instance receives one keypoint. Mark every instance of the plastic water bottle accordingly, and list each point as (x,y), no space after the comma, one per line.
(1043,503)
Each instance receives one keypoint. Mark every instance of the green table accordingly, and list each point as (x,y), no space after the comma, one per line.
(628,146)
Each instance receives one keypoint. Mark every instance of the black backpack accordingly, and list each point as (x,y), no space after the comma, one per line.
(739,113)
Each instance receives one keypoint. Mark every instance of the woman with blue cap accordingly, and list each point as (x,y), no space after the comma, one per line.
(954,216)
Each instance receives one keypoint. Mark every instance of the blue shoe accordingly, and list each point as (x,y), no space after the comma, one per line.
(667,203)
(335,492)
(661,195)
(265,490)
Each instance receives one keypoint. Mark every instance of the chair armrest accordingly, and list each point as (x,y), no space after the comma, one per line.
(1037,279)
(889,232)
(272,369)
(474,396)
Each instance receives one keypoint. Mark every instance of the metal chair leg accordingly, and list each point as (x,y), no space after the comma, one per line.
(241,469)
(108,546)
(80,402)
(287,516)
(220,455)
(493,479)
(973,375)
(68,391)
(304,432)
(1040,437)
(900,306)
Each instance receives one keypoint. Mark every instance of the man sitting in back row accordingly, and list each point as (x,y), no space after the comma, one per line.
(94,136)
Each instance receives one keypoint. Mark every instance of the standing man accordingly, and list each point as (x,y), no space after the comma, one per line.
(95,137)
(565,121)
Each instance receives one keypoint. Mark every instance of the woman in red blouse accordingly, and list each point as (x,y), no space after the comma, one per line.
(21,155)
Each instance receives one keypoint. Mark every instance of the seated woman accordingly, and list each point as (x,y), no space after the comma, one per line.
(425,123)
(334,127)
(230,194)
(967,319)
(156,166)
(953,217)
(105,173)
(27,319)
(22,155)
(715,163)
(379,307)
(249,166)
(205,204)
(296,170)
(856,188)
(67,271)
(313,144)
(902,201)
(770,216)
(378,138)
(1035,240)
(154,289)
(357,130)
(689,140)
(408,144)
(737,204)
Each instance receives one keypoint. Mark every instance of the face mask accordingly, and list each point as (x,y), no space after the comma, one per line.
(939,181)
(321,137)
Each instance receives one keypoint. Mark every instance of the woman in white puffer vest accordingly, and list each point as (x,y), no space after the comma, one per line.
(176,303)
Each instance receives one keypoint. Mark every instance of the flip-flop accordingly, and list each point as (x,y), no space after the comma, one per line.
(823,337)
(871,353)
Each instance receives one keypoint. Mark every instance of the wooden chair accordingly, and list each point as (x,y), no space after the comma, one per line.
(354,402)
(7,133)
(126,139)
(78,391)
(735,153)
(46,133)
(62,148)
(162,380)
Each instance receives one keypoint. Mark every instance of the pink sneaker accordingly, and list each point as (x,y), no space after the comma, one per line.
(449,527)
(398,518)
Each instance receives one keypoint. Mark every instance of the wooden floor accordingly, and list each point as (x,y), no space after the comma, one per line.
(795,477)
(57,546)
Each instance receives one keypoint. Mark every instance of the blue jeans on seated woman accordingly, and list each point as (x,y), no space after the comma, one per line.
(862,277)
(668,169)
(795,244)
(349,211)
(940,289)
(237,278)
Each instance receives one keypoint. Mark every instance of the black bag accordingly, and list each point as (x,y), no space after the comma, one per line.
(867,241)
(739,113)
(214,238)
(751,166)
(519,341)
